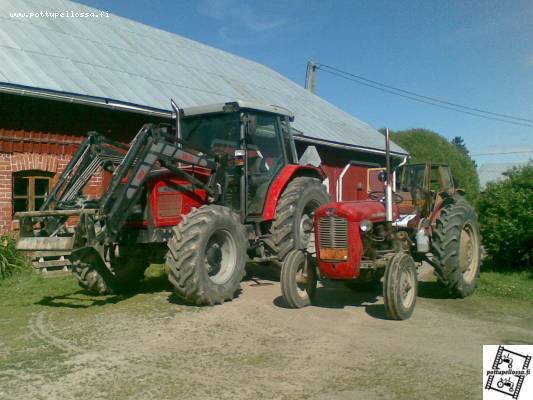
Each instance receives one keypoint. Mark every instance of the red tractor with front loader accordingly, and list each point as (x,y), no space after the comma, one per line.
(420,216)
(220,186)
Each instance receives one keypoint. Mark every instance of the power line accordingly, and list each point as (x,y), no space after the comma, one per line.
(424,99)
(503,152)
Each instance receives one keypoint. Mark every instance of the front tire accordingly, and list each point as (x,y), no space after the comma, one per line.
(207,255)
(400,287)
(94,276)
(456,244)
(298,279)
(292,228)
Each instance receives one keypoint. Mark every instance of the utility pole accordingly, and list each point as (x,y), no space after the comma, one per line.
(310,76)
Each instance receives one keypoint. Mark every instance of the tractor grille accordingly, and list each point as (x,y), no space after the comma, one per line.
(333,232)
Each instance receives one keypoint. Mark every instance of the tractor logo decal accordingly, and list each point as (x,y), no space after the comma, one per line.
(509,373)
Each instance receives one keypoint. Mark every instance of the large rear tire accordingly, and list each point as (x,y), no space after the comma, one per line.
(456,244)
(298,279)
(400,287)
(207,255)
(292,228)
(94,276)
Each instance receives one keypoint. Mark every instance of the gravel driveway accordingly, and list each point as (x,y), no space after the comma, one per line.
(152,346)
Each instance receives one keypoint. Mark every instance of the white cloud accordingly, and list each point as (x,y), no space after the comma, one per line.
(240,13)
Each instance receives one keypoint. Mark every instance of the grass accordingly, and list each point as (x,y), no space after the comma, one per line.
(514,285)
(70,310)
(12,262)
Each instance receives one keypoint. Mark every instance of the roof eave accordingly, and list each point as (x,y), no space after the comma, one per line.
(303,138)
(140,109)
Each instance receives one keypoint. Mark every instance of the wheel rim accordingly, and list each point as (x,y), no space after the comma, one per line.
(307,238)
(468,254)
(407,287)
(220,256)
(302,280)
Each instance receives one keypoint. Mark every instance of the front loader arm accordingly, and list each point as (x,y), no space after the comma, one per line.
(93,153)
(150,147)
(101,221)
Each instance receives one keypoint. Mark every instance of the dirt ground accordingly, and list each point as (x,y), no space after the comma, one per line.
(149,345)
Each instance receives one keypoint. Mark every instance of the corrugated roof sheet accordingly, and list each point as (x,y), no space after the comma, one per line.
(127,61)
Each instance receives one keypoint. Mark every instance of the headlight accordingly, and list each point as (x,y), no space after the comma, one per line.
(366,225)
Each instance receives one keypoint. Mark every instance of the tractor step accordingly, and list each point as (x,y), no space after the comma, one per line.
(51,262)
(45,243)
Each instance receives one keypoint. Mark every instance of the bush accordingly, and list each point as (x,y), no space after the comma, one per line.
(506,217)
(428,146)
(11,260)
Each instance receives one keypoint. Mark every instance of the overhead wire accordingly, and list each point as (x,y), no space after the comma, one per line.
(476,112)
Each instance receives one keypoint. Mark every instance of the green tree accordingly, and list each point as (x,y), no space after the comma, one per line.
(459,142)
(506,216)
(428,146)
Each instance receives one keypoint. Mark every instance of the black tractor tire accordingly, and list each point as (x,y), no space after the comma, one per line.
(400,287)
(296,206)
(298,279)
(94,276)
(456,246)
(207,255)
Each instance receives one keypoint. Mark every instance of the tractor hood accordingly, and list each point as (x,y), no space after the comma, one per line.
(358,210)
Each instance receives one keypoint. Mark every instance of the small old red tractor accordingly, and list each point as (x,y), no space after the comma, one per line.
(420,216)
(220,186)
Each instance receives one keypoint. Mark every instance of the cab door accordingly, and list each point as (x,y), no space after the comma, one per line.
(265,157)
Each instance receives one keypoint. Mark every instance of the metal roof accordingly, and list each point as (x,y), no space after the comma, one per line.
(118,61)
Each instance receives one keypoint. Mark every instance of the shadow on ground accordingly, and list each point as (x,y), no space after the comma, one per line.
(84,299)
(338,295)
(432,290)
(155,281)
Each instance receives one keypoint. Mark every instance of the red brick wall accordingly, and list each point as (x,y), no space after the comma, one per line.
(43,134)
(15,162)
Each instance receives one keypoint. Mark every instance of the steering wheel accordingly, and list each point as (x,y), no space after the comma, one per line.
(380,196)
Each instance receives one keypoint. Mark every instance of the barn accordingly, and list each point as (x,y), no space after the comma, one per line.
(63,76)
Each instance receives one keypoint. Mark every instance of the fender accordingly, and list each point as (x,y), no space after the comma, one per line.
(282,180)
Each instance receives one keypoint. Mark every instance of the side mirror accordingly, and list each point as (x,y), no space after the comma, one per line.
(382,176)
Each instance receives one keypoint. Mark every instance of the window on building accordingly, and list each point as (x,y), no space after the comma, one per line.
(30,189)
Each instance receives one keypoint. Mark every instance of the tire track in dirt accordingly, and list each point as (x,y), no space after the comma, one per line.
(39,326)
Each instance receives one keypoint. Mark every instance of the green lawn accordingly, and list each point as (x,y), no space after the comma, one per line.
(515,285)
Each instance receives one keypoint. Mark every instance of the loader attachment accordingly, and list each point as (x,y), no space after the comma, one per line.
(68,221)
(34,236)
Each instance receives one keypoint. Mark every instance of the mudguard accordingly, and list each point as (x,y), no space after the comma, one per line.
(282,180)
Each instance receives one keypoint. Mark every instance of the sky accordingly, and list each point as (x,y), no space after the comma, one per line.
(475,53)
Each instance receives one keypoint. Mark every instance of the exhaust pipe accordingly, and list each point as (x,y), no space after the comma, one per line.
(176,114)
(388,182)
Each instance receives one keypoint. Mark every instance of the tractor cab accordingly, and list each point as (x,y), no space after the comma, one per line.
(256,141)
(422,186)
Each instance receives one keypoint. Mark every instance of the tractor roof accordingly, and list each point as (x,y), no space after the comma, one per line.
(236,106)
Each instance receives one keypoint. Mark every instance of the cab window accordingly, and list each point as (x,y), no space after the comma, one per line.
(446,178)
(434,179)
(264,152)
